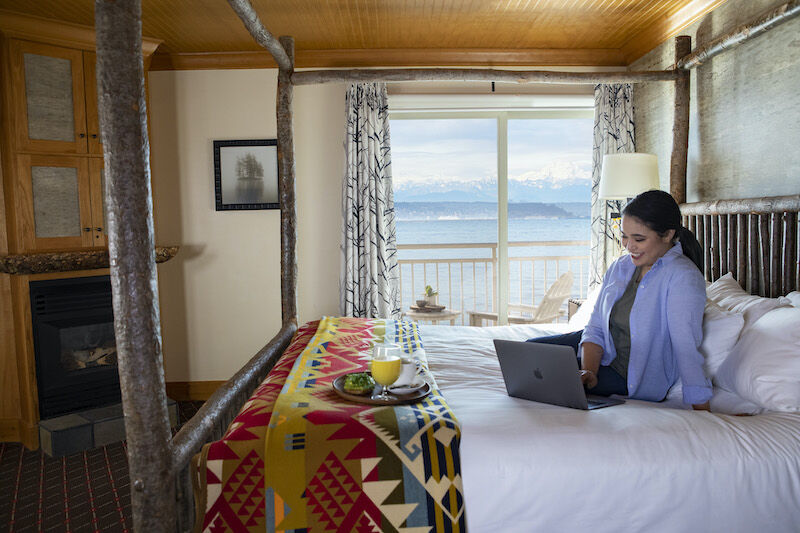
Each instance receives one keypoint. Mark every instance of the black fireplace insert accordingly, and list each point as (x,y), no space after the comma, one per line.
(73,336)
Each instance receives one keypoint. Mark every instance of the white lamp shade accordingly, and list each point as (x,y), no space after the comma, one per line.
(626,175)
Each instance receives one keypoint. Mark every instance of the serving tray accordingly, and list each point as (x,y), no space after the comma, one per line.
(394,399)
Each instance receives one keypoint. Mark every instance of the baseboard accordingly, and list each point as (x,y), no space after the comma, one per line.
(192,391)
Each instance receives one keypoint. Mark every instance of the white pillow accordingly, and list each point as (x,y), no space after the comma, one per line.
(727,292)
(764,366)
(720,332)
(794,298)
(584,312)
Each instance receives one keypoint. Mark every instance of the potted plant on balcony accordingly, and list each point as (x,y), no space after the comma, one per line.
(430,296)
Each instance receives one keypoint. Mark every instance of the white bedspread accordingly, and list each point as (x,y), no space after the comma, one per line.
(641,466)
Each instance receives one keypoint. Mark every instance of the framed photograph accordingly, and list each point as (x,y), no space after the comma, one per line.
(246,174)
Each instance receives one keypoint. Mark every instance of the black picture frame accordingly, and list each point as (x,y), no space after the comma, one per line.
(246,174)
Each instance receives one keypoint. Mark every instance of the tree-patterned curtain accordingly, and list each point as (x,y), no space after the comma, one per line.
(370,285)
(613,134)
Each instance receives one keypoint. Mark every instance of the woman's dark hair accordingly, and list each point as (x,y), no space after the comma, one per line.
(659,211)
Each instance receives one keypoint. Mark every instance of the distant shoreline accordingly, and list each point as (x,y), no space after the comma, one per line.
(442,211)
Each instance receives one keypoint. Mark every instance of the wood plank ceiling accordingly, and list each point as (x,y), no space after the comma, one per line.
(337,33)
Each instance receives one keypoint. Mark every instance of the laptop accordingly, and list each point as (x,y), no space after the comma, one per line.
(545,373)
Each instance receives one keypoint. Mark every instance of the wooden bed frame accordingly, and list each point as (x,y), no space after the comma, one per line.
(756,239)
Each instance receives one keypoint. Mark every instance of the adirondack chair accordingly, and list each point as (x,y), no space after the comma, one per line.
(548,309)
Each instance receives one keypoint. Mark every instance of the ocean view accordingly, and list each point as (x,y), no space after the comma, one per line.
(465,275)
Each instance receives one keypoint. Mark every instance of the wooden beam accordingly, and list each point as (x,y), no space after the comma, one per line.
(769,20)
(131,243)
(680,125)
(309,77)
(393,57)
(263,37)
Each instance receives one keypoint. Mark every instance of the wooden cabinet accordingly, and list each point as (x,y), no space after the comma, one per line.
(57,192)
(55,97)
(60,202)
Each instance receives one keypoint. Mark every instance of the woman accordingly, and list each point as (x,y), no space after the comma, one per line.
(646,327)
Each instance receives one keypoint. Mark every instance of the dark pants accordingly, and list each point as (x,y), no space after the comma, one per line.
(608,381)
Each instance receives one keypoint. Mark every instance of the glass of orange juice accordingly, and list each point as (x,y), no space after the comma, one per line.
(386,366)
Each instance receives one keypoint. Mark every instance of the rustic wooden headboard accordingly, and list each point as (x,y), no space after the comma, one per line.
(756,239)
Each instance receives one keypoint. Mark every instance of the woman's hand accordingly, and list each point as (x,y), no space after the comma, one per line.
(588,378)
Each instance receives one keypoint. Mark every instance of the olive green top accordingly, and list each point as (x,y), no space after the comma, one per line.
(620,325)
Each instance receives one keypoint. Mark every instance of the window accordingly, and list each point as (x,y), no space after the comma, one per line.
(481,198)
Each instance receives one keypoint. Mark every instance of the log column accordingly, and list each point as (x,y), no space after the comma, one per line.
(286,187)
(131,244)
(680,124)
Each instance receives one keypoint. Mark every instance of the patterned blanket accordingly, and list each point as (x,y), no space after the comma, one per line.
(334,465)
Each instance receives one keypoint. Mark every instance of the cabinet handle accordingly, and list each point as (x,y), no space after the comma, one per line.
(87,229)
(94,136)
(82,135)
(98,229)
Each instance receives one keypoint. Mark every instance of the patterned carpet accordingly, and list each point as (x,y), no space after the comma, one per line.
(86,491)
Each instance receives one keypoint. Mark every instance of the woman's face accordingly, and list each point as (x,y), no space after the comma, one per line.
(643,244)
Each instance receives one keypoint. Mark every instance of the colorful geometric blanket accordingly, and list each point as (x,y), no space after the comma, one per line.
(333,465)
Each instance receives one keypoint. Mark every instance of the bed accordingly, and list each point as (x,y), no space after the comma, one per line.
(704,471)
(533,467)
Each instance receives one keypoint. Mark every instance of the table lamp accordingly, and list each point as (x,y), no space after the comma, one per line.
(624,176)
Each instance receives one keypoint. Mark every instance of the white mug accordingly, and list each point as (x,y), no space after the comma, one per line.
(408,373)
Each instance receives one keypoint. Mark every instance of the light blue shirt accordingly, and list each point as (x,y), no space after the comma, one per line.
(666,326)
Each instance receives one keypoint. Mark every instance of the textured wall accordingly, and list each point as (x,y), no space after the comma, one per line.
(745,109)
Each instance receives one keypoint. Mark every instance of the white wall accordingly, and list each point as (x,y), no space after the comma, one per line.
(220,297)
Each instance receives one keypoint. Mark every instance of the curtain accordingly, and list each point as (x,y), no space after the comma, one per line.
(370,274)
(613,133)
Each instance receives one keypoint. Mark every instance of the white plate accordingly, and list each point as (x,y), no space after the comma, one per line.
(407,389)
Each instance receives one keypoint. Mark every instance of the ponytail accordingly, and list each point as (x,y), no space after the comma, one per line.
(691,248)
(659,211)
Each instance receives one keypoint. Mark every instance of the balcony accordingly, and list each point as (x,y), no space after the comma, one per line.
(465,274)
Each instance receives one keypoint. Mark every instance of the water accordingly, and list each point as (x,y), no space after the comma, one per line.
(525,287)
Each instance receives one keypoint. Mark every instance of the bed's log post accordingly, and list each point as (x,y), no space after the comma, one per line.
(286,186)
(123,125)
(680,124)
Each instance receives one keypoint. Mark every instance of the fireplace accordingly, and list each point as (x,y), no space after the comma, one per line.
(74,346)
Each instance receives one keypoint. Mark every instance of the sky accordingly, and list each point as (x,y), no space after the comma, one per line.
(466,150)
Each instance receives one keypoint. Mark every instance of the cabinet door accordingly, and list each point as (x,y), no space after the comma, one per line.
(90,89)
(54,202)
(97,186)
(49,101)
